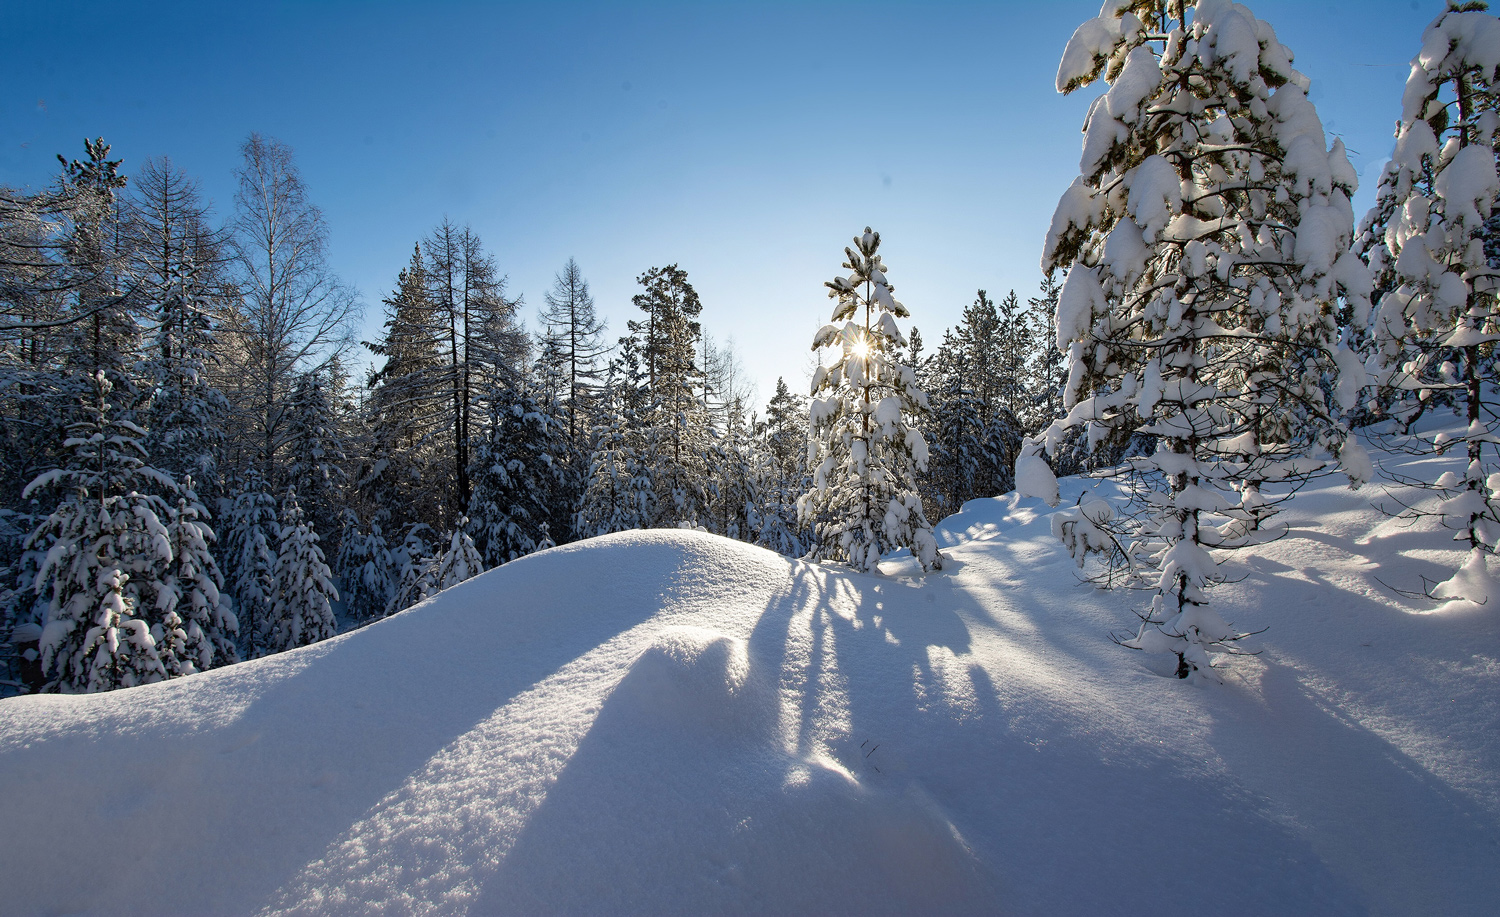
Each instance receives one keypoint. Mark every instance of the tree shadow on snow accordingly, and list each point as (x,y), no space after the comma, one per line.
(1369,810)
(341,736)
(1075,814)
(687,795)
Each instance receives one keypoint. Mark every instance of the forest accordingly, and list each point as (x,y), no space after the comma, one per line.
(179,385)
(193,473)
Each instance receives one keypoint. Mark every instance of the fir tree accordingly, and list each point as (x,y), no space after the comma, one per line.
(460,562)
(733,487)
(106,333)
(195,628)
(416,569)
(863,500)
(251,542)
(106,551)
(177,261)
(780,472)
(365,569)
(961,466)
(1048,367)
(521,485)
(303,611)
(403,475)
(619,494)
(316,454)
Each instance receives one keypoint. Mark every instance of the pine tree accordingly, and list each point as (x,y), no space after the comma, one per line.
(303,611)
(1206,244)
(674,417)
(732,487)
(961,466)
(619,494)
(1048,368)
(66,313)
(1014,342)
(779,470)
(784,432)
(106,333)
(863,501)
(106,551)
(979,372)
(1431,241)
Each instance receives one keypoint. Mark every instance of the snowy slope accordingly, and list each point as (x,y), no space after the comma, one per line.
(670,722)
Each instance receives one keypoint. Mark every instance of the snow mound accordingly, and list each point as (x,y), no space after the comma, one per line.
(688,740)
(670,722)
(697,677)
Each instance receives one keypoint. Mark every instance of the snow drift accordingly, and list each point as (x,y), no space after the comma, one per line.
(671,722)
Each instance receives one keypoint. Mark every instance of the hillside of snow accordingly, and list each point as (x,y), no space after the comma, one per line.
(671,722)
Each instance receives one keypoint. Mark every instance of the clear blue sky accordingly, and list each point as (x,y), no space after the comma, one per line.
(746,142)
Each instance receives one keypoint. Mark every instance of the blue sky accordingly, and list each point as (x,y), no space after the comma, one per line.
(746,142)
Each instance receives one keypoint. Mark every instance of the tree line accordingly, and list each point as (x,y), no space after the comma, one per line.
(193,474)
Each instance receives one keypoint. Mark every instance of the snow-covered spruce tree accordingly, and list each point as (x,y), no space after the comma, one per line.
(250,543)
(365,568)
(619,494)
(194,629)
(303,611)
(316,454)
(732,487)
(415,564)
(1426,239)
(461,561)
(1206,241)
(103,534)
(977,373)
(105,335)
(863,445)
(779,454)
(520,482)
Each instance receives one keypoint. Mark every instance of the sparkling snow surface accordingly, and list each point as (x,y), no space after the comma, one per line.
(670,722)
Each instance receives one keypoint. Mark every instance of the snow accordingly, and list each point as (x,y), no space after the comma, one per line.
(1155,196)
(1035,479)
(1082,295)
(1469,185)
(671,722)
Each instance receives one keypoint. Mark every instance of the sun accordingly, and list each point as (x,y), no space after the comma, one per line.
(860,348)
